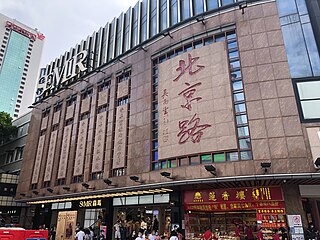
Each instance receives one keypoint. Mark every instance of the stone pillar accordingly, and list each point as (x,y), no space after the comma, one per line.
(293,203)
(315,213)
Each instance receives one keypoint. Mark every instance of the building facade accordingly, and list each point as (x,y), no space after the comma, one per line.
(11,155)
(20,55)
(191,112)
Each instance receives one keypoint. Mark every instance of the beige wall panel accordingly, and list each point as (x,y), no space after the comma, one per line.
(85,105)
(103,97)
(63,162)
(36,169)
(56,117)
(120,137)
(99,142)
(81,148)
(190,100)
(50,158)
(44,123)
(314,140)
(70,111)
(123,89)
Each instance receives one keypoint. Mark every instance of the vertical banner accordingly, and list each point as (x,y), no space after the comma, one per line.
(37,164)
(119,154)
(52,148)
(64,152)
(99,142)
(66,225)
(81,148)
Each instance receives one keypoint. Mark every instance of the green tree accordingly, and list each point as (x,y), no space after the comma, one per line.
(7,131)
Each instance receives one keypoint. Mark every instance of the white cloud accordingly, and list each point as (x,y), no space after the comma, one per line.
(64,22)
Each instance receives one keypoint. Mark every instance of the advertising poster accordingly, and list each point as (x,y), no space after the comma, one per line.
(296,229)
(66,225)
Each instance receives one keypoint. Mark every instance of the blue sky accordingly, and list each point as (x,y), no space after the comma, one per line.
(63,22)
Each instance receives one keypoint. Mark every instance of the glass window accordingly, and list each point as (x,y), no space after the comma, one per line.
(145,199)
(237,85)
(110,48)
(240,107)
(172,163)
(155,155)
(185,9)
(132,200)
(206,158)
(184,161)
(242,119)
(287,7)
(246,155)
(135,25)
(311,109)
(235,74)
(309,96)
(245,143)
(234,65)
(309,90)
(208,40)
(243,131)
(143,28)
(153,17)
(161,198)
(197,7)
(164,165)
(234,54)
(163,15)
(212,4)
(219,157)
(226,2)
(238,97)
(173,12)
(194,160)
(233,156)
(296,51)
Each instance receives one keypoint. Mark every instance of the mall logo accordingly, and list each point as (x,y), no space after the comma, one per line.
(60,75)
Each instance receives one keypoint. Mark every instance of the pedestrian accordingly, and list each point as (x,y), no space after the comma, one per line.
(80,234)
(53,233)
(207,234)
(311,232)
(259,234)
(249,233)
(284,234)
(155,224)
(174,233)
(116,228)
(276,235)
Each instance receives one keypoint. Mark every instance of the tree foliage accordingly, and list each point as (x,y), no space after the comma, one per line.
(7,131)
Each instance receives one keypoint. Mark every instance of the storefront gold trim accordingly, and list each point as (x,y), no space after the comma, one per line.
(109,195)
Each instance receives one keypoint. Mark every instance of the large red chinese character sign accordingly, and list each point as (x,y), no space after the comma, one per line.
(189,85)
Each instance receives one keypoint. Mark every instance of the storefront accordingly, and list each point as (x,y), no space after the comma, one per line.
(222,210)
(156,212)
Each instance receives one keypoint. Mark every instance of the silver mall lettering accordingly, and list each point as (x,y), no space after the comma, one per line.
(62,74)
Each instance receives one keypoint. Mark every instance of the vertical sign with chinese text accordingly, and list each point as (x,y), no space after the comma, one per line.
(52,148)
(194,92)
(99,142)
(119,154)
(37,164)
(65,147)
(81,147)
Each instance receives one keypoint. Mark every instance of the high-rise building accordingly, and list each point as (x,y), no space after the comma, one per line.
(20,54)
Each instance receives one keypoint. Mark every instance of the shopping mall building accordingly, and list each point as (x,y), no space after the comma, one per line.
(201,112)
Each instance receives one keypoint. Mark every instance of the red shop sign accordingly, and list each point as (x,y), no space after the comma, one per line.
(234,195)
(233,206)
